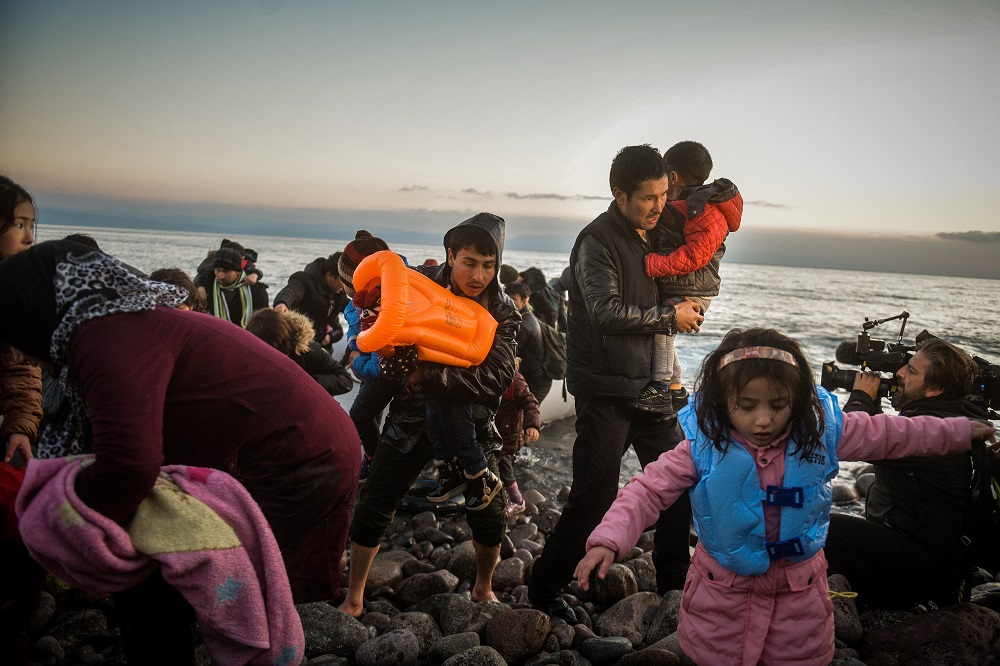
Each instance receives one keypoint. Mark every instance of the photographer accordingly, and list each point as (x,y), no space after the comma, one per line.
(908,548)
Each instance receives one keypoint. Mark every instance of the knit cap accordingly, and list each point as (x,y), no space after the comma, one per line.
(229,259)
(363,245)
(507,274)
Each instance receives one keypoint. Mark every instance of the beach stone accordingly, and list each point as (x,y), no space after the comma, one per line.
(671,644)
(508,574)
(618,584)
(546,520)
(420,586)
(87,655)
(564,492)
(631,617)
(330,631)
(75,631)
(987,594)
(477,656)
(959,634)
(844,492)
(382,606)
(44,613)
(328,660)
(846,621)
(396,647)
(378,621)
(422,549)
(50,651)
(448,646)
(433,535)
(533,496)
(864,484)
(564,634)
(524,555)
(877,618)
(470,616)
(524,531)
(421,625)
(645,541)
(605,650)
(462,562)
(532,547)
(650,657)
(665,619)
(386,571)
(517,633)
(414,567)
(439,558)
(424,519)
(435,604)
(644,571)
(559,658)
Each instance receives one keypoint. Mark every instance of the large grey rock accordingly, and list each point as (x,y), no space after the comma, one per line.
(846,621)
(650,657)
(396,647)
(959,634)
(79,628)
(517,633)
(448,646)
(418,587)
(462,562)
(546,520)
(524,531)
(671,644)
(386,570)
(618,584)
(987,594)
(433,535)
(44,613)
(665,619)
(508,574)
(559,658)
(434,604)
(644,571)
(605,649)
(49,650)
(420,625)
(330,631)
(631,617)
(477,656)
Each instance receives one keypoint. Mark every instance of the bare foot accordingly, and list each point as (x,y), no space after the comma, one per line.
(481,595)
(352,608)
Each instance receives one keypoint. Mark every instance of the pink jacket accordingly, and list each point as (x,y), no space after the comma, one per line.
(202,530)
(785,615)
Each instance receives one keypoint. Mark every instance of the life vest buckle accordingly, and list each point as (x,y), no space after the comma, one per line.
(787,548)
(781,496)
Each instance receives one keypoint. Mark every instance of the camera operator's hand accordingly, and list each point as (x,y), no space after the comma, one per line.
(984,431)
(868,381)
(688,316)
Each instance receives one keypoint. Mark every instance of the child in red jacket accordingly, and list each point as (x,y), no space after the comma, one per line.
(688,243)
(518,421)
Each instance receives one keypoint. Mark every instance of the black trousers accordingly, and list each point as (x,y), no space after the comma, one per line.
(391,475)
(366,411)
(888,569)
(605,428)
(155,623)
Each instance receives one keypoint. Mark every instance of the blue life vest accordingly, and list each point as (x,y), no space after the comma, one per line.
(727,503)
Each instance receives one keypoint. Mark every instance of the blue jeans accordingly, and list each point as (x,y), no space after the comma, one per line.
(451,430)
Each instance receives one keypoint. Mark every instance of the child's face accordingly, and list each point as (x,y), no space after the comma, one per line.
(761,411)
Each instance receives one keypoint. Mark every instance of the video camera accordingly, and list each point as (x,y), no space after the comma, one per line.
(867,352)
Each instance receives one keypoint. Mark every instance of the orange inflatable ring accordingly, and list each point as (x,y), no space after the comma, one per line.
(415,310)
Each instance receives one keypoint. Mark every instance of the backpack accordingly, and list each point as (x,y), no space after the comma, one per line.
(553,351)
(982,523)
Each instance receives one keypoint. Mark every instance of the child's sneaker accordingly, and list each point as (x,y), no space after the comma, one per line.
(679,398)
(514,508)
(483,487)
(451,482)
(654,399)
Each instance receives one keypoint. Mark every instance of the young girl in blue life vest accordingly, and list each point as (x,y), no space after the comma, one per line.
(762,451)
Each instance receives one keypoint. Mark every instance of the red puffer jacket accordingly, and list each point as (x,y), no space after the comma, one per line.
(692,238)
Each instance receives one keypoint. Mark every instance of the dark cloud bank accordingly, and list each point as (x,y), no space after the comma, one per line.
(962,254)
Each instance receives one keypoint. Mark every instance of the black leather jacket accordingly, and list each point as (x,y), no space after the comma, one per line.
(614,310)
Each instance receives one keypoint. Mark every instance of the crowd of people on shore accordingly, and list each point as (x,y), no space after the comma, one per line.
(191,442)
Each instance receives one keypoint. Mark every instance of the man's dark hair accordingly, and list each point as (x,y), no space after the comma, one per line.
(11,194)
(633,165)
(534,278)
(949,369)
(690,160)
(330,265)
(469,235)
(518,289)
(84,239)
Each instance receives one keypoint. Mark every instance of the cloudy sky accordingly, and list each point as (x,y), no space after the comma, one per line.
(849,116)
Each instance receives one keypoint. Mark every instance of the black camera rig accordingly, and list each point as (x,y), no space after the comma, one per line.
(878,355)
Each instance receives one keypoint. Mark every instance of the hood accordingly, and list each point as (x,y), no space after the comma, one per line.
(722,193)
(493,225)
(943,406)
(314,269)
(302,330)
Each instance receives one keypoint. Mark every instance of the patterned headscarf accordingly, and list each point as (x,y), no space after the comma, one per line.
(49,290)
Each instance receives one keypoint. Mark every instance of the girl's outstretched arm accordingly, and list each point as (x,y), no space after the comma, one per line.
(601,557)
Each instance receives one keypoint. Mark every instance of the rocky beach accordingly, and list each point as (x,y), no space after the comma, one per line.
(419,612)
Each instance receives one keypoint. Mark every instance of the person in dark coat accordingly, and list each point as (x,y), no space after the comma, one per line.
(519,422)
(544,301)
(291,333)
(228,294)
(530,348)
(151,385)
(317,292)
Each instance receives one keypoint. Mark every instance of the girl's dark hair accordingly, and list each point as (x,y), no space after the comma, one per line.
(178,277)
(714,387)
(272,327)
(11,194)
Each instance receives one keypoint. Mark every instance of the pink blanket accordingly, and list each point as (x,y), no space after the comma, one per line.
(199,526)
